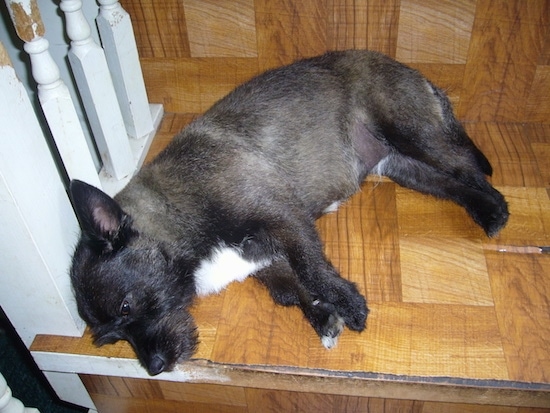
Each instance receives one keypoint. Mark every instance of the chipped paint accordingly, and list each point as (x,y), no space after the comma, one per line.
(4,57)
(26,19)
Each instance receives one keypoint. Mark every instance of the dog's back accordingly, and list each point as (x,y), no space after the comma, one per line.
(306,133)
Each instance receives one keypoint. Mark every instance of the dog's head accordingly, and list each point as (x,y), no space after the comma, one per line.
(128,286)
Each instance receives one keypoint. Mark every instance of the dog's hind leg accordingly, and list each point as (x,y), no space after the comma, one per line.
(432,153)
(286,289)
(484,204)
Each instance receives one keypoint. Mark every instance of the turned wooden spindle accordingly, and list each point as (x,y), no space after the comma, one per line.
(53,94)
(117,37)
(97,91)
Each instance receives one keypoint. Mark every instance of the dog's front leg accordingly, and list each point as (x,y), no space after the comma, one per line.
(286,289)
(304,251)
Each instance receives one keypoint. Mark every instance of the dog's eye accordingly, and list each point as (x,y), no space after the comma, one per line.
(125,308)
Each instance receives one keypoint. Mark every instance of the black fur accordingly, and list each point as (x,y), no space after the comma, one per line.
(252,174)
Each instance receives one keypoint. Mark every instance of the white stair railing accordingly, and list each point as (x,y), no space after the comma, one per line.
(115,109)
(54,96)
(39,228)
(141,118)
(117,38)
(94,82)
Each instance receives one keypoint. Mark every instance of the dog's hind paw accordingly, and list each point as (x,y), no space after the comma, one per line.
(492,216)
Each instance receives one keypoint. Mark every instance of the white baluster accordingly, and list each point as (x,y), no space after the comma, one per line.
(117,38)
(9,404)
(97,91)
(61,115)
(53,94)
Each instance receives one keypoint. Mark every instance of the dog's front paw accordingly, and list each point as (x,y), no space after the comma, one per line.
(332,330)
(355,312)
(326,322)
(350,305)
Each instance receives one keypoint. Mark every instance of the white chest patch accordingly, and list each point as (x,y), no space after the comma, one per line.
(224,266)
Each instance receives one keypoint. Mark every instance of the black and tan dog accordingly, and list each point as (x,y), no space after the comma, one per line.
(236,193)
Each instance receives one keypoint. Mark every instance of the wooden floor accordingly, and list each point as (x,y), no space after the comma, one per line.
(453,317)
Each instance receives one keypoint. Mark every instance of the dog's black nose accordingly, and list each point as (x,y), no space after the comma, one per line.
(156,365)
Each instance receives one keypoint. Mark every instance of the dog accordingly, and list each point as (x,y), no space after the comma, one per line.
(237,193)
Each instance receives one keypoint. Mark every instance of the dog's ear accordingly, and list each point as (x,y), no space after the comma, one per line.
(105,226)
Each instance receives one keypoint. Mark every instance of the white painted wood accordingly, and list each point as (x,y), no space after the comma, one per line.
(8,403)
(54,24)
(70,388)
(117,38)
(125,367)
(139,147)
(21,13)
(65,127)
(55,99)
(39,228)
(96,88)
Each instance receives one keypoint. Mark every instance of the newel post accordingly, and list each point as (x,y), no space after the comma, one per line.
(39,228)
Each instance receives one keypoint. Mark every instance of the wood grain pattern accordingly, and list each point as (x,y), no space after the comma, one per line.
(347,24)
(509,149)
(160,31)
(259,332)
(194,84)
(421,340)
(538,105)
(522,299)
(423,216)
(492,56)
(507,39)
(174,83)
(221,29)
(204,398)
(363,24)
(289,30)
(215,83)
(383,25)
(214,393)
(367,226)
(444,271)
(539,136)
(529,222)
(435,31)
